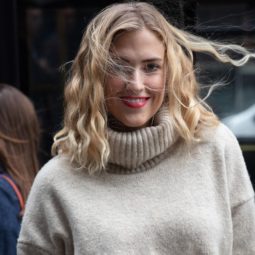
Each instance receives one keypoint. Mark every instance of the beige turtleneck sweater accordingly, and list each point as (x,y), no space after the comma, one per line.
(157,197)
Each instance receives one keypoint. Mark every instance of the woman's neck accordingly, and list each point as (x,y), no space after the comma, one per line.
(118,126)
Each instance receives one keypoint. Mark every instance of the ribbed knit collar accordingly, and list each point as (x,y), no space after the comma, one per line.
(141,149)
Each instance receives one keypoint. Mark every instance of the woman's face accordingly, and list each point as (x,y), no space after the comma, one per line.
(134,98)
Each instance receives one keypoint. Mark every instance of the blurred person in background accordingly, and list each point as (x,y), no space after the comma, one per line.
(19,139)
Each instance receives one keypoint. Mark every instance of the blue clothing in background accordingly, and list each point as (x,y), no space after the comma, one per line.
(9,218)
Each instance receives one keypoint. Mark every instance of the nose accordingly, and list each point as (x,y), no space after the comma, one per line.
(136,82)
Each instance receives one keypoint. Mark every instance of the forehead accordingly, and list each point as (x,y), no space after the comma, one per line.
(138,44)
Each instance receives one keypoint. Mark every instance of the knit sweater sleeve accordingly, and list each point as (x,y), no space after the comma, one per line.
(244,228)
(43,229)
(241,195)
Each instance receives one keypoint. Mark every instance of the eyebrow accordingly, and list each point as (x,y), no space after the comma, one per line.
(153,59)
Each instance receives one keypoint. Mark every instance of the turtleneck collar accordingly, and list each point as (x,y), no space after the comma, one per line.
(141,149)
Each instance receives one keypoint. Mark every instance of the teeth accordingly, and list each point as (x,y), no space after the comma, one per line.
(135,100)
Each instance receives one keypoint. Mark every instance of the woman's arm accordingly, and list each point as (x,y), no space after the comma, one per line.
(244,228)
(43,229)
(241,196)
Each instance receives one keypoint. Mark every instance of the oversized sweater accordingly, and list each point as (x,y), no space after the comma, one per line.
(157,196)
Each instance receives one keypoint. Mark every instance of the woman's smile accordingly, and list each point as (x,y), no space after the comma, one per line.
(135,90)
(134,102)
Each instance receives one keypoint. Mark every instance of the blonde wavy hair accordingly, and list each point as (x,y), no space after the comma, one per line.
(84,133)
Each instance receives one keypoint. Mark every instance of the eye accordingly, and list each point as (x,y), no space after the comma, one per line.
(151,67)
(123,70)
(116,69)
(120,67)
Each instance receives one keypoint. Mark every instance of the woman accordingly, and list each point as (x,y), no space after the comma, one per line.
(143,167)
(19,133)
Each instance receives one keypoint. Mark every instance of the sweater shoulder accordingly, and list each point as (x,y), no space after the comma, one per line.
(57,168)
(220,136)
(227,152)
(223,132)
(222,142)
(56,164)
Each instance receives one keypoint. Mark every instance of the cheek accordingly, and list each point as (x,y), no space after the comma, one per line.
(157,88)
(113,86)
(157,84)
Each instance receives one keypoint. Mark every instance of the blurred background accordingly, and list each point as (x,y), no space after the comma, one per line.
(39,38)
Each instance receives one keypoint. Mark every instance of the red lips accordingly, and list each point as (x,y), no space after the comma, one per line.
(134,101)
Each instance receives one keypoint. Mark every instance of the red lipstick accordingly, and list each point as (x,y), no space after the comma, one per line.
(134,102)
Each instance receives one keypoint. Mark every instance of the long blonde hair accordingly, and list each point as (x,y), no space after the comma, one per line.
(84,135)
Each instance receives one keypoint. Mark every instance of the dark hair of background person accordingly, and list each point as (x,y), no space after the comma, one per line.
(19,137)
